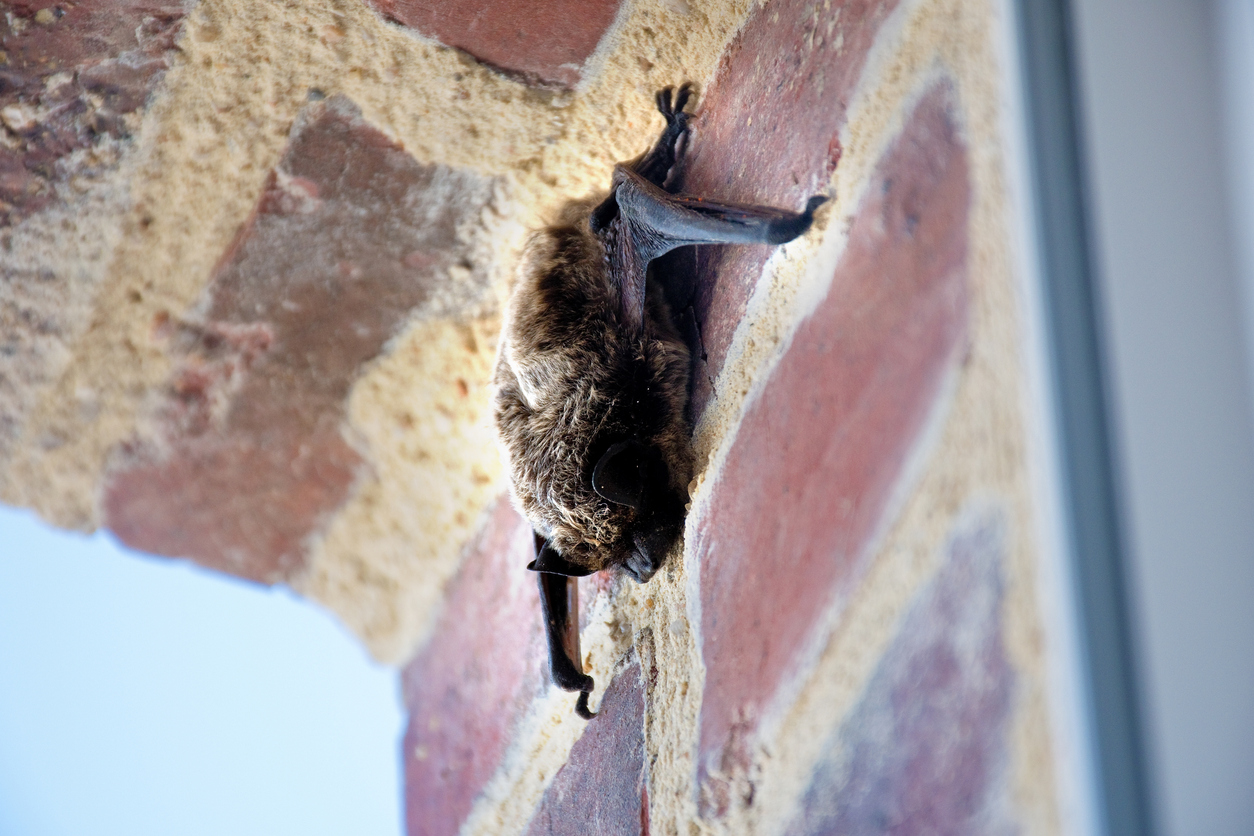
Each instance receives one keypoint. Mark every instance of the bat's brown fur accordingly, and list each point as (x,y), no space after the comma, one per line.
(572,379)
(592,380)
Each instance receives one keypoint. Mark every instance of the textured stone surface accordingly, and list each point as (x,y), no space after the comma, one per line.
(484,663)
(543,43)
(768,134)
(925,749)
(276,419)
(74,83)
(601,789)
(244,454)
(819,452)
(73,77)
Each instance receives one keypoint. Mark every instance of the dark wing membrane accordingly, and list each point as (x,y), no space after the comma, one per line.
(652,222)
(559,599)
(660,222)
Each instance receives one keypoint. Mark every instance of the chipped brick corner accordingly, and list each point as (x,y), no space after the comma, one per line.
(254,264)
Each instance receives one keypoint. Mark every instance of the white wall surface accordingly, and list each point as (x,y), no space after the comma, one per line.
(1169,252)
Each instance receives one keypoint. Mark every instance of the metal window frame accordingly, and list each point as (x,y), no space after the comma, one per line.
(1080,381)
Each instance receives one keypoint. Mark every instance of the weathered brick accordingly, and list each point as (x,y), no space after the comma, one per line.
(484,663)
(818,453)
(72,76)
(768,134)
(246,458)
(925,749)
(542,43)
(601,788)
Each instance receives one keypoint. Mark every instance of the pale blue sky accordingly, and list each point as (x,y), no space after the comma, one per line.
(145,696)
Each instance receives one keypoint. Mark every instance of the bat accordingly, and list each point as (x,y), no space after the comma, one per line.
(592,378)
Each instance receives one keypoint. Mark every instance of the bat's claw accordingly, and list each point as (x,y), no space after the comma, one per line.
(682,96)
(663,99)
(671,103)
(581,707)
(659,164)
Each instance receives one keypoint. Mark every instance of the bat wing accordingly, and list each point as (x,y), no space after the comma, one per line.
(659,164)
(652,222)
(660,221)
(559,599)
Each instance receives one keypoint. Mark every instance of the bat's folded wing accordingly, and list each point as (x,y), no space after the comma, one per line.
(661,222)
(559,599)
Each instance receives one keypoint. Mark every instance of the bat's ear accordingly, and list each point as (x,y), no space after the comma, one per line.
(622,474)
(548,560)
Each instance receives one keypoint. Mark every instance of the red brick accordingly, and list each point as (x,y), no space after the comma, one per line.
(543,43)
(925,750)
(351,237)
(484,664)
(601,788)
(768,134)
(113,53)
(818,453)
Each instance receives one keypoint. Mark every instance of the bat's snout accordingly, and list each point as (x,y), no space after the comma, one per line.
(650,545)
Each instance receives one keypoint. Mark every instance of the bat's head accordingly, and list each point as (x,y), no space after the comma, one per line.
(592,416)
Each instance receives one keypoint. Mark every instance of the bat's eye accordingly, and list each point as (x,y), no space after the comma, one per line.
(624,473)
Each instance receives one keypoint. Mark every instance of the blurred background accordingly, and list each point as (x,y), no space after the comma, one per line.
(1167,126)
(141,695)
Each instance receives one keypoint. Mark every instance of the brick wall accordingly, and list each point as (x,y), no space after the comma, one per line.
(253,257)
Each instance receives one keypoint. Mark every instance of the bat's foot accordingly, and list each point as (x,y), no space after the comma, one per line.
(671,102)
(659,164)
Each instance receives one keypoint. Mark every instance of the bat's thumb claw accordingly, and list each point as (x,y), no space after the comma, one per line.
(814,203)
(581,707)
